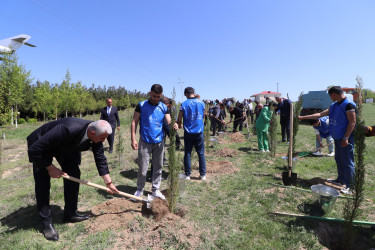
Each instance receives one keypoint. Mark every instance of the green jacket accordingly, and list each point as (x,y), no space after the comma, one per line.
(263,121)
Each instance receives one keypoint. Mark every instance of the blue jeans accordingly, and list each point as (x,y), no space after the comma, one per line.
(344,157)
(329,139)
(196,140)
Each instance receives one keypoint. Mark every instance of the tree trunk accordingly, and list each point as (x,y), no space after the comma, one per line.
(80,114)
(66,113)
(44,117)
(11,117)
(16,116)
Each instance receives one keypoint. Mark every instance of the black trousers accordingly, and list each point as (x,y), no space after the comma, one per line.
(111,139)
(285,128)
(236,123)
(70,165)
(215,124)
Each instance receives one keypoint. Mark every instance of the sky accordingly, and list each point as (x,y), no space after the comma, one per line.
(231,48)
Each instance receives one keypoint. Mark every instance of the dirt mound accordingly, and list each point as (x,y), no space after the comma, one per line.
(136,230)
(220,167)
(237,137)
(159,208)
(226,152)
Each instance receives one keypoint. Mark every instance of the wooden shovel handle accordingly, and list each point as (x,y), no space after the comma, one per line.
(100,187)
(290,158)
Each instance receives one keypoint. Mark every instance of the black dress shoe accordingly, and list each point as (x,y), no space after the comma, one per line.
(75,218)
(50,232)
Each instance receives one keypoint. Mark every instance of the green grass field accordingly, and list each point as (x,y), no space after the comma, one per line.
(229,211)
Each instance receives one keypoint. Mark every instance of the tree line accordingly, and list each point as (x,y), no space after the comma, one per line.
(21,100)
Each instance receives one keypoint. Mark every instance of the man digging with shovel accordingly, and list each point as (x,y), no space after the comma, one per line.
(65,139)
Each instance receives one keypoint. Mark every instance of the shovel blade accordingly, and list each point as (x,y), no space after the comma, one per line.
(288,181)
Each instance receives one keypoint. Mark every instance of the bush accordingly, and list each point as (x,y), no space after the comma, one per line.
(21,121)
(32,120)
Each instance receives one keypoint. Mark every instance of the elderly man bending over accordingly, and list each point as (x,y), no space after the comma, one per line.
(65,139)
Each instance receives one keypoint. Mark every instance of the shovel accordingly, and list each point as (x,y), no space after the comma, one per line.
(147,202)
(290,178)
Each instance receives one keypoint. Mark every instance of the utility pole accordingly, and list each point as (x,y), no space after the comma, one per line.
(277,84)
(182,93)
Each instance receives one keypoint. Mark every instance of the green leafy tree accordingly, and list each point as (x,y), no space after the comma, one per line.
(79,98)
(66,94)
(56,101)
(15,78)
(43,98)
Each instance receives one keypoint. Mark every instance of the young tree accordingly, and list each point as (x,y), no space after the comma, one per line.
(79,96)
(15,78)
(173,166)
(296,112)
(56,101)
(351,208)
(66,94)
(43,98)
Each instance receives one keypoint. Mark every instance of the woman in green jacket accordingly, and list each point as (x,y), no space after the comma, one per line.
(262,124)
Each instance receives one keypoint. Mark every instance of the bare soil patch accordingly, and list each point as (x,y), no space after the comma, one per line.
(9,172)
(220,167)
(275,190)
(237,137)
(136,229)
(226,152)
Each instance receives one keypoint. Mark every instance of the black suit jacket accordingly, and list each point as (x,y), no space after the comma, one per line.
(63,138)
(112,118)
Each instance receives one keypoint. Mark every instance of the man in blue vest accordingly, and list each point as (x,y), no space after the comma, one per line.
(192,112)
(321,129)
(342,120)
(150,114)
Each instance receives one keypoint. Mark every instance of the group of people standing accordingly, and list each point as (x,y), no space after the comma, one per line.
(66,138)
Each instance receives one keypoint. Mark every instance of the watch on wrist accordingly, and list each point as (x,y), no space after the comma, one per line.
(345,138)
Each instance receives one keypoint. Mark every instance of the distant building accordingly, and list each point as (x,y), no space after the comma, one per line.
(261,97)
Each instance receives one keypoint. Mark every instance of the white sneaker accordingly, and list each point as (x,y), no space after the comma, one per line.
(138,193)
(317,153)
(184,177)
(262,151)
(331,154)
(267,150)
(158,194)
(203,178)
(346,191)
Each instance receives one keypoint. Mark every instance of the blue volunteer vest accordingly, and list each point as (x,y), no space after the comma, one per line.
(193,111)
(151,121)
(323,127)
(337,119)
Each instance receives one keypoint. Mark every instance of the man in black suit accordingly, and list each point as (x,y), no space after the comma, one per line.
(110,114)
(65,139)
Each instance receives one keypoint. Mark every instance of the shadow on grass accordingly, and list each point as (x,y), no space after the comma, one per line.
(27,217)
(248,150)
(130,174)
